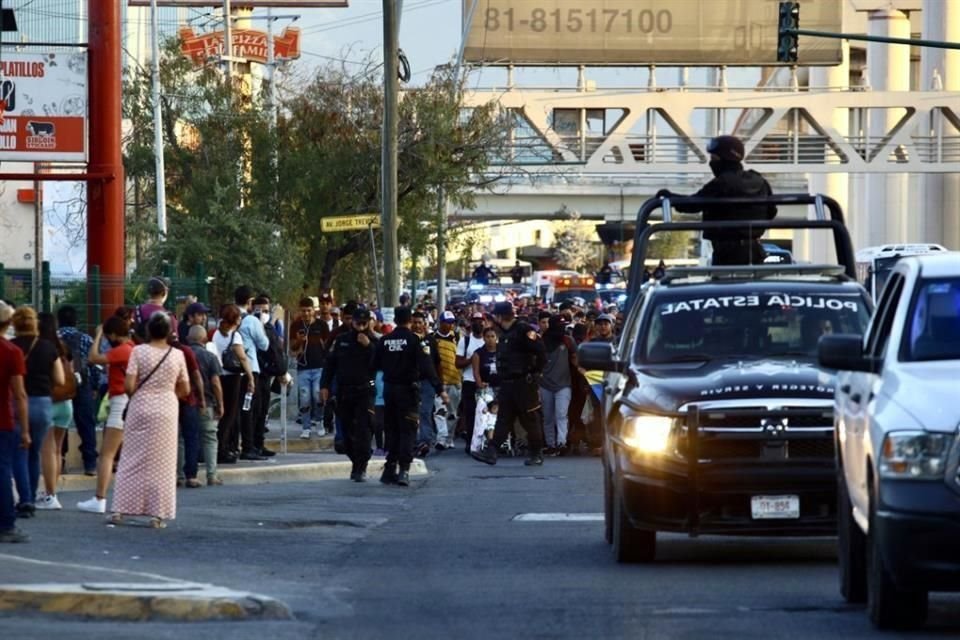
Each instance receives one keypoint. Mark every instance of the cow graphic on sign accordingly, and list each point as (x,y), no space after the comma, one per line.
(41,135)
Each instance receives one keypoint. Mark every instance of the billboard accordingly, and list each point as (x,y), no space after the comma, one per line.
(248,44)
(293,4)
(43,106)
(643,32)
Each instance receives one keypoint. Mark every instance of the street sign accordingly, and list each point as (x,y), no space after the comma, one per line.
(358,222)
(43,106)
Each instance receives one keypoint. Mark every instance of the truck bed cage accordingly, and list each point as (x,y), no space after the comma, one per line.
(822,204)
(756,272)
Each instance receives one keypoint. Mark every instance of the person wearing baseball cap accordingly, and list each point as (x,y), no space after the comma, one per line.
(350,366)
(731,246)
(521,357)
(443,348)
(196,314)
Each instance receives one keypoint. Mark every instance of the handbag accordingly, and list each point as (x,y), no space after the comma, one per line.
(229,358)
(67,390)
(144,381)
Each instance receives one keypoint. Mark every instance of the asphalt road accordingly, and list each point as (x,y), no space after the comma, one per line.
(446,558)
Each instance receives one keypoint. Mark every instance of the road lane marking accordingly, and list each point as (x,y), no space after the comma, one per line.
(87,567)
(558,517)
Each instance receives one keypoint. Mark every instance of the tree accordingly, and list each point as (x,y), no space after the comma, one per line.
(576,243)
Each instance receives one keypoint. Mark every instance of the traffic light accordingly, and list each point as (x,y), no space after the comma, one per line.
(787,31)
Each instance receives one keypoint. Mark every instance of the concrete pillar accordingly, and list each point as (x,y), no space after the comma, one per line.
(939,196)
(888,69)
(817,246)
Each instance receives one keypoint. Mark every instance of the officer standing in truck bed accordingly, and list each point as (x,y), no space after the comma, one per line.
(402,357)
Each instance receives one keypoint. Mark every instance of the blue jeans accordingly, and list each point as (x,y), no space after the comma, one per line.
(428,430)
(9,441)
(189,456)
(85,419)
(26,463)
(308,391)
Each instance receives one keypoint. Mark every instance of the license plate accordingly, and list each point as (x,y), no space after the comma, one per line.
(775,507)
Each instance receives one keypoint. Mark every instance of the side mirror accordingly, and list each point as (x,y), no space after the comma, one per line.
(843,352)
(600,356)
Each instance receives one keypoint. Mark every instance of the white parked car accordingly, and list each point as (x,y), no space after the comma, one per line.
(897,413)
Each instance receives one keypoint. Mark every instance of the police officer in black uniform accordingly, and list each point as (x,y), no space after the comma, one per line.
(521,357)
(350,364)
(403,358)
(731,246)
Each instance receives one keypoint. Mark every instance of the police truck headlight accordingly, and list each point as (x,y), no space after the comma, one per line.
(914,455)
(647,434)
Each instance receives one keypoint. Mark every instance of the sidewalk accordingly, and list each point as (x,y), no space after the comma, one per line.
(292,467)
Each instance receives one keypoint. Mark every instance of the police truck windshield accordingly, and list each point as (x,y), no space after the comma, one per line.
(749,325)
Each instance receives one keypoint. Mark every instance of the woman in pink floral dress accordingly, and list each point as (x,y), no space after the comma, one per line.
(146,482)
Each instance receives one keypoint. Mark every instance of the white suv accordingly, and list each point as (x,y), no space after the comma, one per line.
(897,411)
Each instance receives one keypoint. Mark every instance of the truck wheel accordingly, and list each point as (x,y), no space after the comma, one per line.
(631,545)
(888,606)
(607,506)
(851,548)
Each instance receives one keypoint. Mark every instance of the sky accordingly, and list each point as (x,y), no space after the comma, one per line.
(430,33)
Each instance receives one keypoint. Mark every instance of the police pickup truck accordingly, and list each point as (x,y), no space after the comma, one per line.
(897,418)
(718,418)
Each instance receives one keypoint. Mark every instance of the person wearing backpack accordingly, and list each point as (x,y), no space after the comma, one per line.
(273,364)
(157,292)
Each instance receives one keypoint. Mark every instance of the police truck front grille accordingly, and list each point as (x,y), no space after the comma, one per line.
(755,435)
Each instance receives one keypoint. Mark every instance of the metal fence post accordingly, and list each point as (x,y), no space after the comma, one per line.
(93,317)
(200,281)
(3,281)
(45,286)
(170,273)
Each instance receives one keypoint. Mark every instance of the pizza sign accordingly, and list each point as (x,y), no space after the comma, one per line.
(248,44)
(43,106)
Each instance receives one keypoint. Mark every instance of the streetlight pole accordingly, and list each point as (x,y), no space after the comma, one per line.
(388,197)
(158,122)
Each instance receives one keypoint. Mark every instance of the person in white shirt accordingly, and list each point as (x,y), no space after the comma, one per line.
(468,344)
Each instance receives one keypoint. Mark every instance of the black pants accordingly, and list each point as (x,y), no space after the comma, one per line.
(378,426)
(519,400)
(355,411)
(401,422)
(260,408)
(227,427)
(468,408)
(247,417)
(737,252)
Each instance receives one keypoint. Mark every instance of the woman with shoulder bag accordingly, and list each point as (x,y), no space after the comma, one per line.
(62,396)
(146,483)
(228,344)
(44,372)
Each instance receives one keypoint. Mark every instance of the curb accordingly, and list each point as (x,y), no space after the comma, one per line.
(265,473)
(186,602)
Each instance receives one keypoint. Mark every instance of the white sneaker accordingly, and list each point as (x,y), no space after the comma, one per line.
(49,503)
(93,505)
(305,434)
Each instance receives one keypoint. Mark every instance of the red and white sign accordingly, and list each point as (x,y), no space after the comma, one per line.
(295,4)
(43,106)
(248,44)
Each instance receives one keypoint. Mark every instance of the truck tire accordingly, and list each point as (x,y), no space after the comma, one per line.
(851,548)
(607,506)
(888,606)
(631,545)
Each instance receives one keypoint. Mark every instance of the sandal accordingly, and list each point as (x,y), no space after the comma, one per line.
(158,523)
(214,481)
(193,483)
(116,518)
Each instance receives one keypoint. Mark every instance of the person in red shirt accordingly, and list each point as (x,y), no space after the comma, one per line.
(117,331)
(13,394)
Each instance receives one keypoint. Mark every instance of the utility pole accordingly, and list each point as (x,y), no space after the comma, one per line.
(228,41)
(158,122)
(388,197)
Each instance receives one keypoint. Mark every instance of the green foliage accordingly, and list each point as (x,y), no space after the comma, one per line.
(246,199)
